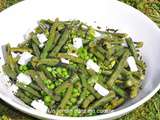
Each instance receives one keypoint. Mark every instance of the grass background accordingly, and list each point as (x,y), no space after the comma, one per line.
(148,111)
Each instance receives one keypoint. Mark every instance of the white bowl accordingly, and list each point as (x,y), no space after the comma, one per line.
(15,22)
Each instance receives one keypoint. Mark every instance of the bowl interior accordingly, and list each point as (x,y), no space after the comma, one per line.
(23,17)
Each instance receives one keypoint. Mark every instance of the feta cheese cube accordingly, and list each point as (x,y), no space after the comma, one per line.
(13,88)
(39,105)
(101,90)
(41,45)
(77,43)
(14,55)
(64,61)
(25,57)
(132,64)
(91,65)
(97,34)
(42,38)
(23,78)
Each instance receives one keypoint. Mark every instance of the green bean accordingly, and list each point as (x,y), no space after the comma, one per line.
(61,88)
(82,96)
(65,100)
(102,101)
(28,89)
(61,42)
(57,37)
(101,49)
(117,102)
(74,78)
(29,95)
(134,91)
(21,50)
(97,54)
(139,44)
(9,59)
(35,39)
(48,61)
(88,101)
(132,82)
(23,97)
(72,58)
(48,46)
(132,48)
(118,69)
(83,80)
(119,91)
(43,68)
(7,70)
(94,92)
(37,77)
(107,72)
(36,50)
(34,86)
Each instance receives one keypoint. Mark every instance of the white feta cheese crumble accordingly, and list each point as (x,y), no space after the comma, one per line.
(132,64)
(73,54)
(64,61)
(42,38)
(41,45)
(13,88)
(91,65)
(14,55)
(23,78)
(77,43)
(39,105)
(124,44)
(25,57)
(97,34)
(101,90)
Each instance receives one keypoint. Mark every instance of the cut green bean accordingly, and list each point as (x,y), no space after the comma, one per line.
(118,69)
(21,50)
(132,48)
(88,101)
(66,98)
(49,44)
(28,89)
(61,42)
(36,50)
(50,62)
(72,58)
(23,97)
(102,101)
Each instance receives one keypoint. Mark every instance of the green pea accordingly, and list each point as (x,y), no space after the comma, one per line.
(47,82)
(75,90)
(76,112)
(70,103)
(57,83)
(47,99)
(73,100)
(52,86)
(49,69)
(54,73)
(60,80)
(59,70)
(23,68)
(76,94)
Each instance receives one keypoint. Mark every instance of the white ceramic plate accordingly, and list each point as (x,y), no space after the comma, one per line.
(15,22)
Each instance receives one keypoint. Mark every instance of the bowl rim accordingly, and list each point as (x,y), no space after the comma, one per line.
(41,115)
